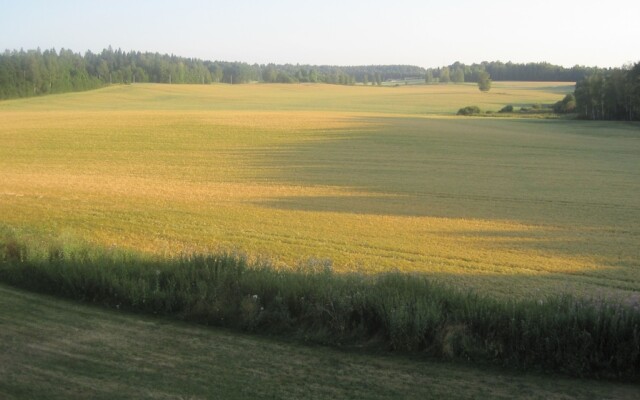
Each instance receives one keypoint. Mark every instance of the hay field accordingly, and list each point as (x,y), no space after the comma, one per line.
(372,178)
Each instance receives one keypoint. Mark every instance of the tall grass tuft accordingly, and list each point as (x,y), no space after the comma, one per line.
(405,312)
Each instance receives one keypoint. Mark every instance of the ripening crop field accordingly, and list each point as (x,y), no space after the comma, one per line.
(372,178)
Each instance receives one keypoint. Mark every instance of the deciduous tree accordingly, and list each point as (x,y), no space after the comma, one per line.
(484,81)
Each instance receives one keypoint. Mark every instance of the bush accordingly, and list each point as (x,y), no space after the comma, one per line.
(506,109)
(566,105)
(469,110)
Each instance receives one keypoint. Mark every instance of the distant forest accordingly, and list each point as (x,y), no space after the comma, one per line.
(600,93)
(35,72)
(610,95)
(499,71)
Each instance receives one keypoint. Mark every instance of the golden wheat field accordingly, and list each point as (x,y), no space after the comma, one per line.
(372,178)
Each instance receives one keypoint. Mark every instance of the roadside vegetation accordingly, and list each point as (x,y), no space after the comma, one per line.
(57,349)
(402,312)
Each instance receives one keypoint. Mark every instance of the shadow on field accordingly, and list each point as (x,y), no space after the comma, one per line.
(616,246)
(539,172)
(577,182)
(602,130)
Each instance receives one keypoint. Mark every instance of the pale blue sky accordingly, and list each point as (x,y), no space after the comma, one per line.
(424,33)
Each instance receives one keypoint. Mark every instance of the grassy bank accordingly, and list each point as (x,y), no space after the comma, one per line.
(57,349)
(405,312)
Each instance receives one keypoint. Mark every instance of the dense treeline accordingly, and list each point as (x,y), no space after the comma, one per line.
(600,94)
(33,73)
(36,72)
(499,71)
(610,95)
(370,74)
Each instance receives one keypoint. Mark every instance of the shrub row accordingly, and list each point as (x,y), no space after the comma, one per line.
(469,110)
(398,311)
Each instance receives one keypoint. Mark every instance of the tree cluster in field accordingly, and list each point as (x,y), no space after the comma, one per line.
(610,95)
(469,110)
(499,71)
(35,72)
(565,106)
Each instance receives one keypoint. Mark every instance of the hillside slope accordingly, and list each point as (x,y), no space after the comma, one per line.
(56,349)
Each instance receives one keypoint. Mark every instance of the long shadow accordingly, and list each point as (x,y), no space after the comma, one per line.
(527,171)
(579,179)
